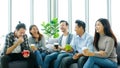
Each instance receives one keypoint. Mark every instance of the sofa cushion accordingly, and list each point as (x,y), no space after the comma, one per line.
(18,64)
(118,52)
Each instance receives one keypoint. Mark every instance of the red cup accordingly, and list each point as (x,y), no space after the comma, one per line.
(25,52)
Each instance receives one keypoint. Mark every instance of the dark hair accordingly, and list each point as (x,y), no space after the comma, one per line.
(81,23)
(65,22)
(40,35)
(107,30)
(20,25)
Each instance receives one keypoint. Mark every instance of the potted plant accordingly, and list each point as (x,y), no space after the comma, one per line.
(51,29)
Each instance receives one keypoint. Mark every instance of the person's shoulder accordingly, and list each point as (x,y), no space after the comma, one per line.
(25,36)
(75,36)
(109,38)
(70,34)
(10,34)
(88,36)
(30,37)
(43,37)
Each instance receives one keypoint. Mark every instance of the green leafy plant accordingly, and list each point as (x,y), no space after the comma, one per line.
(51,29)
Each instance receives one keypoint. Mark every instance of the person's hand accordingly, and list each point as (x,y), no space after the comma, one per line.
(69,50)
(86,52)
(61,48)
(26,53)
(76,56)
(33,48)
(102,53)
(54,48)
(26,56)
(20,40)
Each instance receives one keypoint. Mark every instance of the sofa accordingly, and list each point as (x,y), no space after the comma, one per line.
(16,64)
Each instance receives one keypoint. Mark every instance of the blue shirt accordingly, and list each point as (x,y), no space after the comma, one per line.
(86,40)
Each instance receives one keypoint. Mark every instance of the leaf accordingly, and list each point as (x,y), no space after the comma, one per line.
(51,28)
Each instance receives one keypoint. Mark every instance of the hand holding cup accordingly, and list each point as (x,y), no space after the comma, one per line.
(26,53)
(32,46)
(56,45)
(85,50)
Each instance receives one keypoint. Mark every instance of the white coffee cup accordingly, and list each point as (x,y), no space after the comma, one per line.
(32,45)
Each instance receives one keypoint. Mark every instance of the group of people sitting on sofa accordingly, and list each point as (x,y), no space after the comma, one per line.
(89,52)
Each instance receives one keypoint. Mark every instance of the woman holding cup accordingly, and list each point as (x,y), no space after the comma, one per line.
(105,44)
(37,44)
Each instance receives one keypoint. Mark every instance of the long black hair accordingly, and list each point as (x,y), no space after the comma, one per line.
(107,30)
(40,35)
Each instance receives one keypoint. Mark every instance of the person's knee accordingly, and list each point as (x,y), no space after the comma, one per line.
(65,59)
(60,55)
(5,57)
(83,58)
(37,52)
(47,58)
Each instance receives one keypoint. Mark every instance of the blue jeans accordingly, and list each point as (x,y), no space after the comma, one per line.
(59,58)
(101,62)
(67,61)
(49,58)
(39,57)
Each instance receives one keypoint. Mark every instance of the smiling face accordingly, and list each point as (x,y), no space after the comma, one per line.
(78,30)
(63,27)
(34,30)
(20,32)
(99,27)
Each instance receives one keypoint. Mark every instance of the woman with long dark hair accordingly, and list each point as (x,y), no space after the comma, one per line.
(38,40)
(105,44)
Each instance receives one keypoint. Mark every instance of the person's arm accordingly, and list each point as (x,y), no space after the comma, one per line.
(10,49)
(26,43)
(73,43)
(77,55)
(43,42)
(90,44)
(108,49)
(103,54)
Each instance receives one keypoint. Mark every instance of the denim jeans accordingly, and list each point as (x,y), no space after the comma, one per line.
(59,58)
(49,58)
(67,61)
(101,62)
(39,57)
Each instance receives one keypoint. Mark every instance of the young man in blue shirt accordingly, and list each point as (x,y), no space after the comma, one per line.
(80,40)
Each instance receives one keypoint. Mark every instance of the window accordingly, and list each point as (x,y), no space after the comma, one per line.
(63,10)
(115,18)
(20,12)
(78,12)
(40,12)
(97,9)
(4,21)
(3,17)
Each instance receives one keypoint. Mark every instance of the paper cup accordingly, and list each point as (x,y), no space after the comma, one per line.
(32,45)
